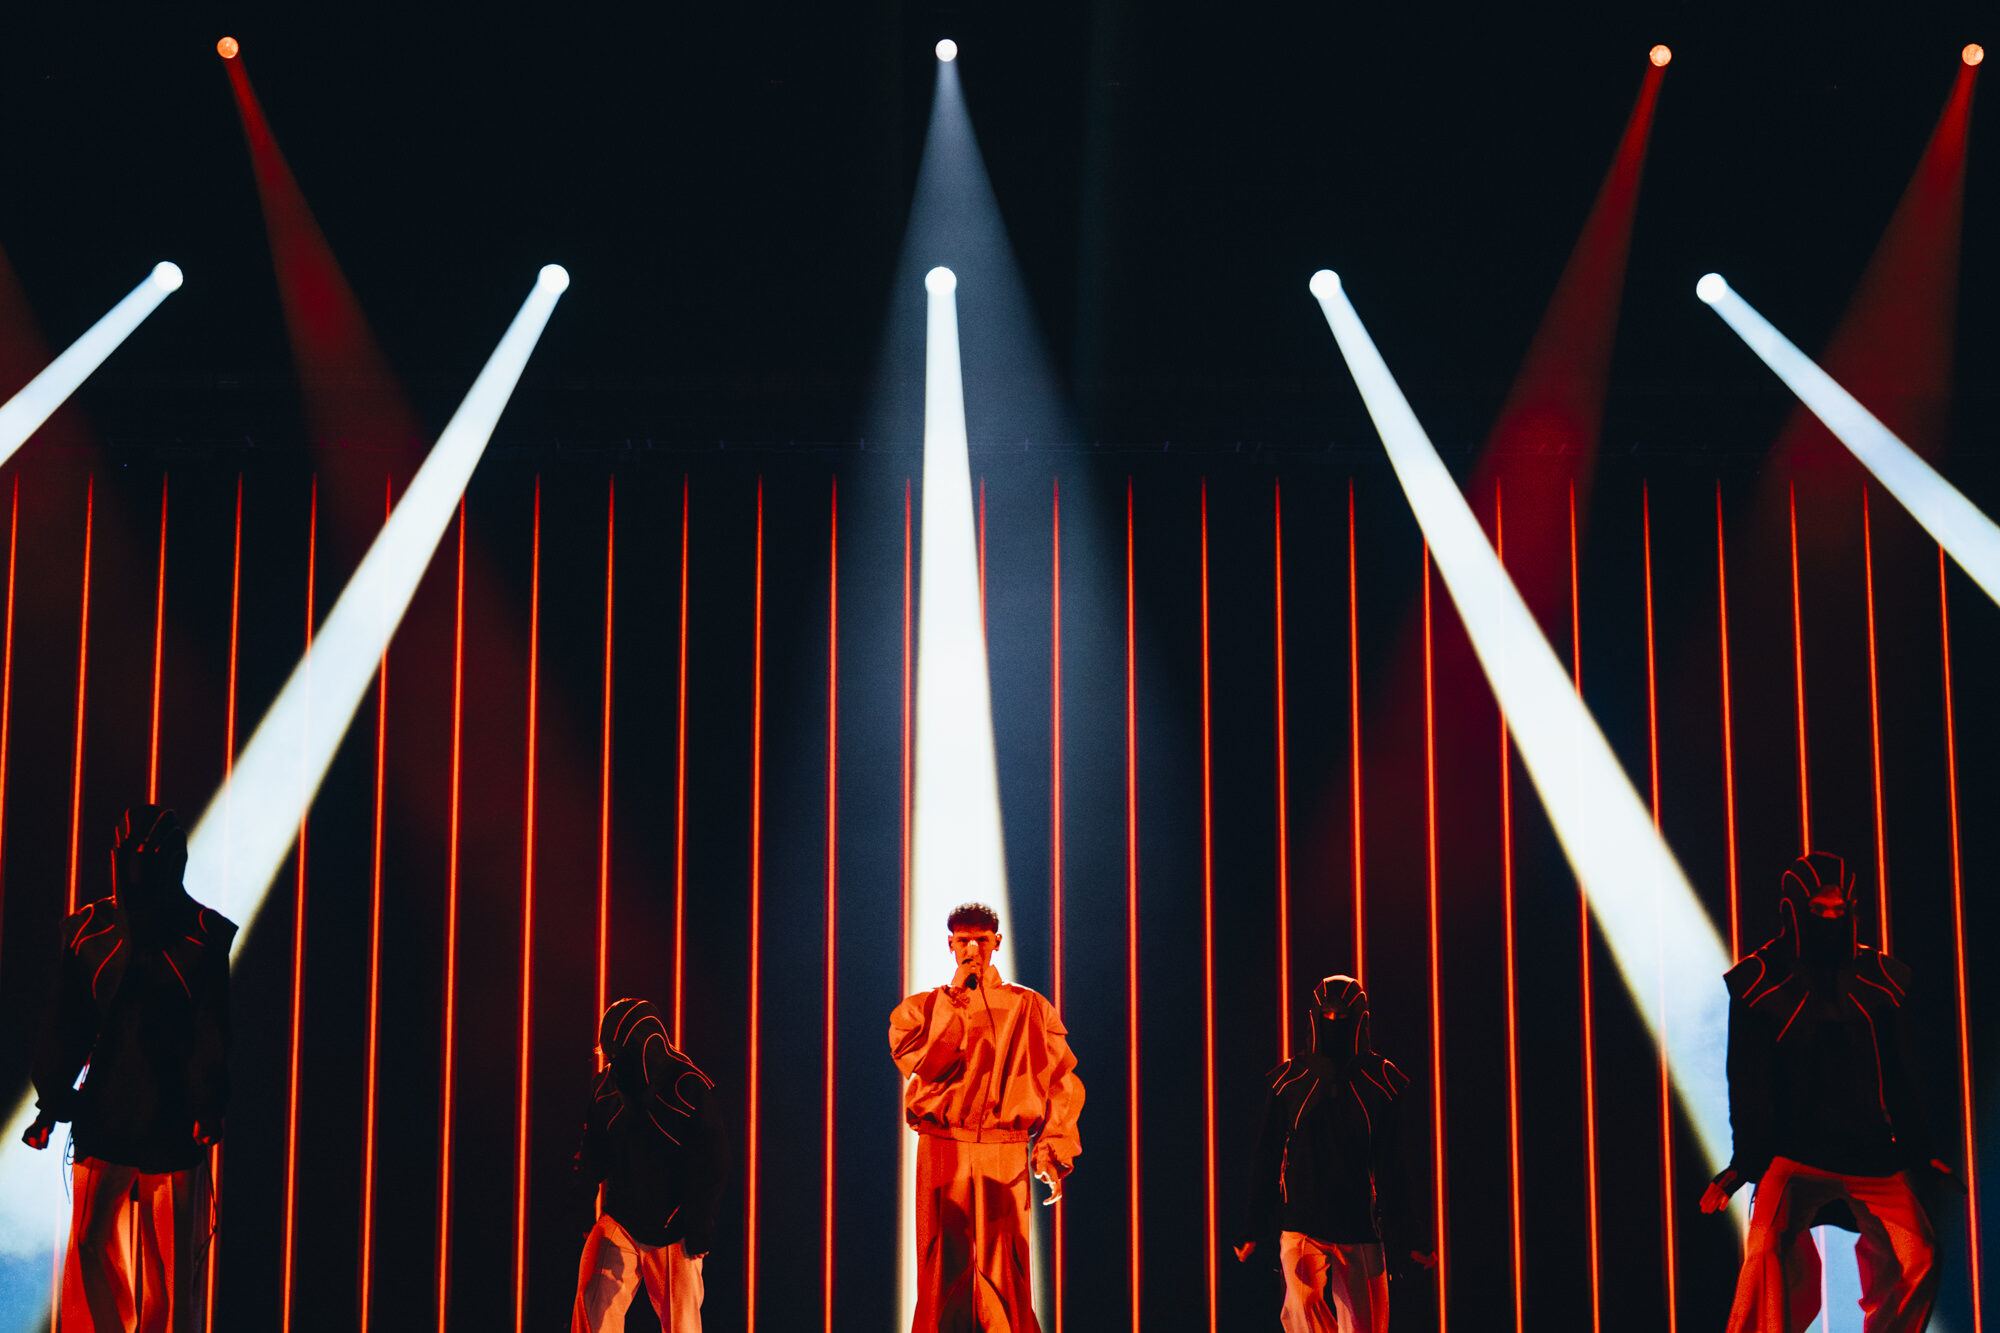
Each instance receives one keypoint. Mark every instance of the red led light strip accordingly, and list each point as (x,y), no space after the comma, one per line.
(1132,914)
(524,1057)
(1586,1004)
(82,675)
(604,787)
(159,641)
(1668,1232)
(907,733)
(298,945)
(451,933)
(1970,1141)
(756,921)
(1513,1022)
(1799,682)
(1207,923)
(1728,729)
(1875,725)
(680,787)
(1437,997)
(1284,812)
(1056,828)
(374,970)
(832,879)
(7,669)
(1354,745)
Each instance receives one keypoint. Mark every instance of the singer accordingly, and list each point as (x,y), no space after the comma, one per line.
(990,1087)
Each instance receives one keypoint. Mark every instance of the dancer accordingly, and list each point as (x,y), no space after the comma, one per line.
(653,1142)
(1323,1175)
(990,1087)
(142,994)
(1826,1107)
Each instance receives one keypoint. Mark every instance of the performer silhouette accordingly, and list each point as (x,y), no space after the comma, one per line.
(1324,1177)
(1826,1106)
(990,1087)
(141,993)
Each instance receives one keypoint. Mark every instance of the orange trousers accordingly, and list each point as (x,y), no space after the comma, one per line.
(136,1242)
(1778,1290)
(972,1238)
(613,1268)
(1332,1288)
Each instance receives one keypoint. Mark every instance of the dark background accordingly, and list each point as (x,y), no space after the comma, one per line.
(727,187)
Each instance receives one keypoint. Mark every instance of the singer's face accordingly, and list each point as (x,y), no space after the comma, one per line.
(973,946)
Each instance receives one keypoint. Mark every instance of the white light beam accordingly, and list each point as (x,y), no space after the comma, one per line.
(1958,525)
(231,862)
(24,413)
(1643,902)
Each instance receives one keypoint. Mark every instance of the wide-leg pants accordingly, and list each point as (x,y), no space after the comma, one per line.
(135,1245)
(972,1238)
(1332,1288)
(613,1267)
(1778,1290)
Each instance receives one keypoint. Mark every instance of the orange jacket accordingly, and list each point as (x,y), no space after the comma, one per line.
(988,1066)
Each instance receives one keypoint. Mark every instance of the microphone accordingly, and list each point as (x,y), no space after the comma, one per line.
(972,982)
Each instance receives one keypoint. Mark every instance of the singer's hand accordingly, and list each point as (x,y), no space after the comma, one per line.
(36,1136)
(967,973)
(1245,1250)
(1048,1169)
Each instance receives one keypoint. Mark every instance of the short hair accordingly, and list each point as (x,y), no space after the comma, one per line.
(973,916)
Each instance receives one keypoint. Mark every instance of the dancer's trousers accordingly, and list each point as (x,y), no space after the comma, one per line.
(1332,1288)
(136,1241)
(613,1268)
(1778,1290)
(972,1238)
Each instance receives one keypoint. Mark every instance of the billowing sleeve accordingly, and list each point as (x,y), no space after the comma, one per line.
(1065,1091)
(1752,1103)
(707,1166)
(1903,1084)
(69,1026)
(927,1037)
(208,1073)
(1260,1200)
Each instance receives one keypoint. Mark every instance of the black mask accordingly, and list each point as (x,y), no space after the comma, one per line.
(1340,1018)
(148,858)
(1818,941)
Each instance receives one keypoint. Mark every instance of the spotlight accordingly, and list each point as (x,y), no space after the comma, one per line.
(167,276)
(1660,55)
(1973,53)
(227,48)
(940,281)
(1711,288)
(947,50)
(1324,284)
(554,277)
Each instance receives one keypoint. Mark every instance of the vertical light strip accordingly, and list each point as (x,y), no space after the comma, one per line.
(1056,827)
(1875,726)
(756,920)
(1132,920)
(1513,1018)
(680,790)
(1669,1234)
(908,662)
(299,881)
(1728,730)
(1284,784)
(451,933)
(832,882)
(1970,1142)
(374,969)
(524,1057)
(604,788)
(1354,744)
(159,641)
(1586,1002)
(228,769)
(1208,926)
(1436,961)
(1799,681)
(82,677)
(7,674)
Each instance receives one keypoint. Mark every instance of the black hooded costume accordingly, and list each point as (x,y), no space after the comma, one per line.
(1325,1162)
(141,994)
(653,1135)
(1821,1065)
